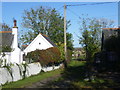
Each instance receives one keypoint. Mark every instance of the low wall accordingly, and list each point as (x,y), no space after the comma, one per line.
(18,72)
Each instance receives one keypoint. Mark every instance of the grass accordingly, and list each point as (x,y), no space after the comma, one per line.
(28,81)
(76,73)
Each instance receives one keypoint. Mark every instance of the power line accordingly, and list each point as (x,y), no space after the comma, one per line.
(73,12)
(91,4)
(59,8)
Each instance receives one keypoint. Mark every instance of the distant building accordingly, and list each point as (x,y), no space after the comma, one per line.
(77,52)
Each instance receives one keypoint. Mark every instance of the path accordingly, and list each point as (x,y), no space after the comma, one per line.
(43,83)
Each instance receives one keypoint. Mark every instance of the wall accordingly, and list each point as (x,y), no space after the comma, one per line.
(18,72)
(38,43)
(12,57)
(16,56)
(7,57)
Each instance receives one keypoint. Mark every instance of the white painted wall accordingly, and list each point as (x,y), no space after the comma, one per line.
(7,57)
(16,54)
(38,43)
(15,39)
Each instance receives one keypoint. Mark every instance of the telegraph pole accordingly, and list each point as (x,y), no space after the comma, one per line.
(65,44)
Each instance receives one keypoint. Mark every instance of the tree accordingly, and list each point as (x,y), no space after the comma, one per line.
(46,21)
(91,34)
(5,27)
(91,39)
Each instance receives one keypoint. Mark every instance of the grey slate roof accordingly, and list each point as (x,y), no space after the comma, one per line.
(49,40)
(6,39)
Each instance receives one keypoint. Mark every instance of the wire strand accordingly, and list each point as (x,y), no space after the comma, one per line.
(91,4)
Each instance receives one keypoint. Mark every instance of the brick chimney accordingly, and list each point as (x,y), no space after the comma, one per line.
(15,23)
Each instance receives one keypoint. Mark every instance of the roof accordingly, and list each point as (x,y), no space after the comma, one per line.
(48,39)
(6,38)
(111,28)
(78,49)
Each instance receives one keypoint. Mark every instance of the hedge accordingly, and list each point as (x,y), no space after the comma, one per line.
(46,57)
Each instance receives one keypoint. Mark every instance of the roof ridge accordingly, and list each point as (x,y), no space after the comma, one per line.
(44,35)
(5,31)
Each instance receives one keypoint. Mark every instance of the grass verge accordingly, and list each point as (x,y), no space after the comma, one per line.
(32,79)
(76,74)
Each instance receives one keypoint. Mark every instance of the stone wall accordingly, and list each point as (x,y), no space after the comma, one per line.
(18,72)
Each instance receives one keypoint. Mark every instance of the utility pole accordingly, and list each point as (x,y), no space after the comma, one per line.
(65,44)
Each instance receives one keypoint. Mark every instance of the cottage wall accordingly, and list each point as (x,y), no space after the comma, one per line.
(38,43)
(5,58)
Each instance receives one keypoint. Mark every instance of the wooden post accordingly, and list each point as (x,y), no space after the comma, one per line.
(65,44)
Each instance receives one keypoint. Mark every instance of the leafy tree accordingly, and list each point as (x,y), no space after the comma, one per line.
(91,34)
(46,21)
(91,39)
(5,27)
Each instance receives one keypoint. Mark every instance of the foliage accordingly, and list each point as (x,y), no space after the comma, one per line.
(91,39)
(112,44)
(69,55)
(25,65)
(91,35)
(6,49)
(111,55)
(46,21)
(61,49)
(1,62)
(5,27)
(49,56)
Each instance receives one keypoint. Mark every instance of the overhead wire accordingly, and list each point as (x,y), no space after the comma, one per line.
(91,4)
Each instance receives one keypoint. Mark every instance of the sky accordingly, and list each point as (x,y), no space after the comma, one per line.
(15,10)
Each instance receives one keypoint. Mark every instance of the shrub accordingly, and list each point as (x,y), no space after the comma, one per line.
(69,55)
(46,57)
(6,49)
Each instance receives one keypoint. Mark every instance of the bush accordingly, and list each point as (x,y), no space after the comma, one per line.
(5,49)
(46,57)
(69,55)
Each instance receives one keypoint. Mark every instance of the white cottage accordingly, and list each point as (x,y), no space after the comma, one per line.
(41,42)
(10,38)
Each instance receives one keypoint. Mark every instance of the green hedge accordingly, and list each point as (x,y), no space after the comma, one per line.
(47,57)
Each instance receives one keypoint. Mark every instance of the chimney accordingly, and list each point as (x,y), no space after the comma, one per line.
(15,24)
(15,34)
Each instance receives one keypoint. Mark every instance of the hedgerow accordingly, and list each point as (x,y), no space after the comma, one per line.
(46,57)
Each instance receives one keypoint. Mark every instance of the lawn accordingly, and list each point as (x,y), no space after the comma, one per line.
(30,80)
